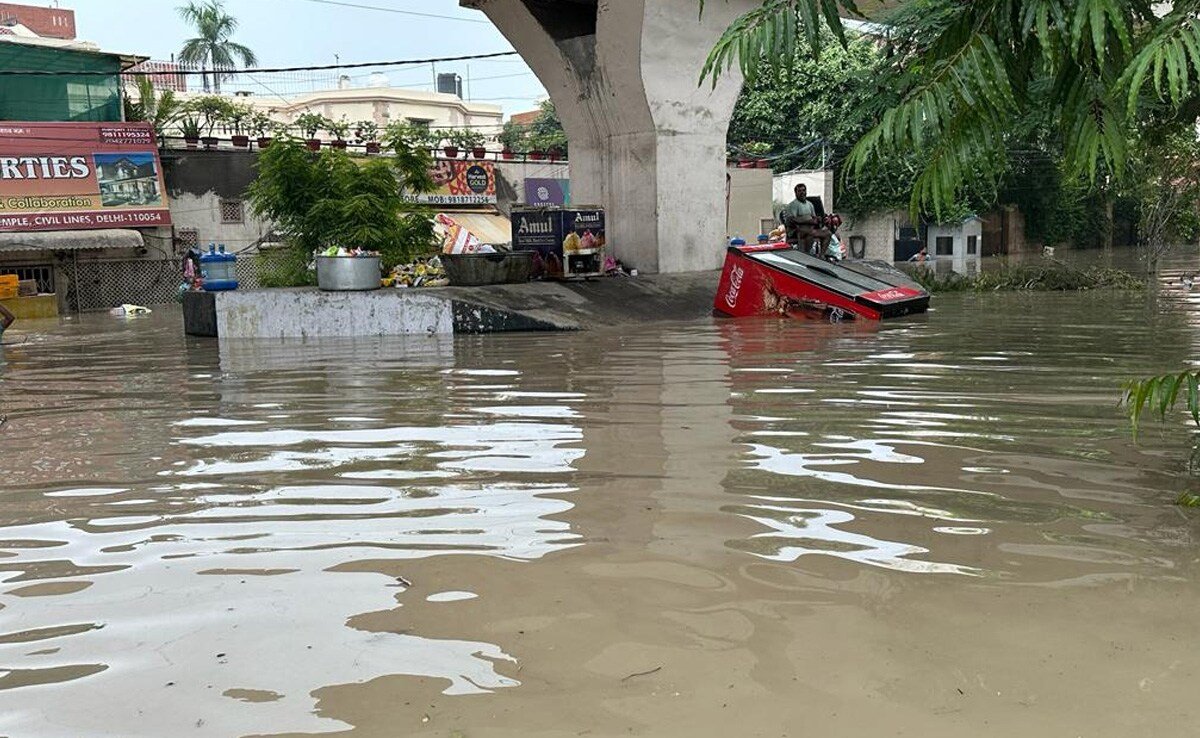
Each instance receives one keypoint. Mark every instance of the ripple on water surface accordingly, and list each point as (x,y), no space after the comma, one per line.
(223,535)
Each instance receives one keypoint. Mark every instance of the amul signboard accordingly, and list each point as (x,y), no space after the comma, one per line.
(69,176)
(460,183)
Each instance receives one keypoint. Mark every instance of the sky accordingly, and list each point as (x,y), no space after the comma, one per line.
(313,32)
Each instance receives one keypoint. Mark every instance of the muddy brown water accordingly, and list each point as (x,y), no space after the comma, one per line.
(934,527)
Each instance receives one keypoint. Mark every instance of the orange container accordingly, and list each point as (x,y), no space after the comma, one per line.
(7,293)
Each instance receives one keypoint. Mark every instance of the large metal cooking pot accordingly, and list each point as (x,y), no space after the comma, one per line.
(470,270)
(348,273)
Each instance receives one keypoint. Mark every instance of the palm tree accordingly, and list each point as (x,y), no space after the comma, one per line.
(212,47)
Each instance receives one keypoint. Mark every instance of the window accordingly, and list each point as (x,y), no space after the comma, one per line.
(233,211)
(186,238)
(972,245)
(42,273)
(944,246)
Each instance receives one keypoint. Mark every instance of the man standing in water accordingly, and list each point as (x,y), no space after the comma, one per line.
(800,219)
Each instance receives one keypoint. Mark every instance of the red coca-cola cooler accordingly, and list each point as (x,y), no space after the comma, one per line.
(775,279)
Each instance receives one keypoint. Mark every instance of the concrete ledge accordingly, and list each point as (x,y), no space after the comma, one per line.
(32,308)
(200,314)
(310,313)
(534,306)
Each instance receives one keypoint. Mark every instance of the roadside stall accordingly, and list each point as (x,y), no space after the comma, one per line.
(569,241)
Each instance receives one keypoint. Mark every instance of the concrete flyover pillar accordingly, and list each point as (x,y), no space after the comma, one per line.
(647,140)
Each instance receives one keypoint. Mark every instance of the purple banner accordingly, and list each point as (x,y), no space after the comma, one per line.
(539,191)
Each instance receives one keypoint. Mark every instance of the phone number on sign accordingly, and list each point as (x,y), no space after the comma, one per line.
(125,136)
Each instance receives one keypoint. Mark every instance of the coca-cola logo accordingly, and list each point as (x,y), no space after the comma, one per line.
(891,295)
(736,275)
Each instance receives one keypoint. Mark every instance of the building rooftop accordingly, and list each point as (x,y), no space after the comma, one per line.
(20,36)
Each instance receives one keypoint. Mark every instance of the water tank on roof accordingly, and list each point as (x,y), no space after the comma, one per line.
(449,83)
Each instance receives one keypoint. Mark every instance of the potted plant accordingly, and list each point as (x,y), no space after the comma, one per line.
(449,144)
(212,111)
(189,126)
(536,155)
(340,129)
(473,141)
(310,124)
(465,139)
(512,139)
(368,132)
(260,125)
(239,122)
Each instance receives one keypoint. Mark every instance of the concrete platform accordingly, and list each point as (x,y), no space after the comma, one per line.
(31,308)
(534,306)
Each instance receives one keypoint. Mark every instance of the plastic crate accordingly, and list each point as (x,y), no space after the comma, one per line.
(7,293)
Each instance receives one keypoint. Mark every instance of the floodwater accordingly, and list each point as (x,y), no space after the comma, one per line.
(934,527)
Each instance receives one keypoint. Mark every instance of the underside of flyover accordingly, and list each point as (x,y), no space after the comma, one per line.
(647,138)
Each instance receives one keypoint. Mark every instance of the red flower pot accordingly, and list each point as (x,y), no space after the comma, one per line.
(451,152)
(338,144)
(210,142)
(191,141)
(374,147)
(745,164)
(314,144)
(763,164)
(241,142)
(264,142)
(507,154)
(479,152)
(536,155)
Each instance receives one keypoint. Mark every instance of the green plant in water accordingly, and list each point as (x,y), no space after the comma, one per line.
(330,199)
(1054,276)
(1160,395)
(1187,499)
(284,268)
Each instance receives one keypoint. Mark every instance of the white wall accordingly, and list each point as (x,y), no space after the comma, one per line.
(203,213)
(958,260)
(749,202)
(878,229)
(819,183)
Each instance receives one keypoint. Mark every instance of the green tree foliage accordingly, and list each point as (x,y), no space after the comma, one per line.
(831,97)
(213,47)
(967,74)
(158,108)
(1160,394)
(545,133)
(1164,188)
(318,200)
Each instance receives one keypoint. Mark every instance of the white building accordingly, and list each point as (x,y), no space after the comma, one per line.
(385,105)
(956,246)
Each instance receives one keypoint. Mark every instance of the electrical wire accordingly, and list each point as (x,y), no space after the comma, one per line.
(398,11)
(231,72)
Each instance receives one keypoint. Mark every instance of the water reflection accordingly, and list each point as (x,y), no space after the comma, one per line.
(271,517)
(275,537)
